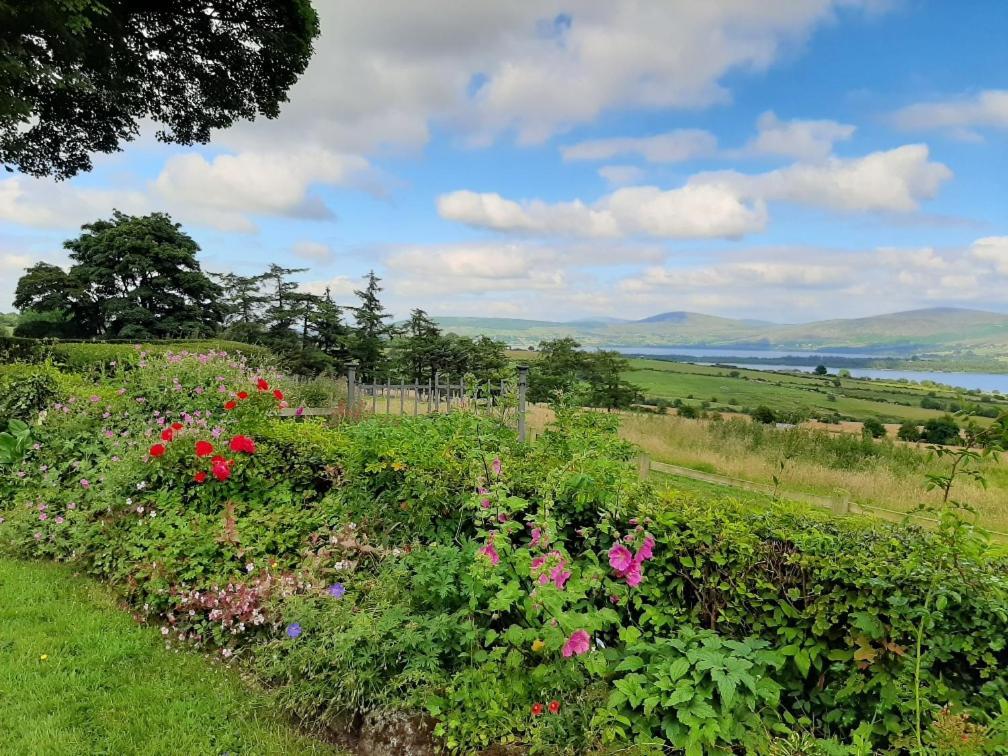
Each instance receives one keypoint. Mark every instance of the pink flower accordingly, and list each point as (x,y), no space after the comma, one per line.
(485,503)
(496,466)
(559,576)
(502,517)
(536,537)
(538,562)
(620,557)
(299,412)
(59,520)
(633,575)
(577,644)
(491,553)
(647,550)
(43,517)
(85,483)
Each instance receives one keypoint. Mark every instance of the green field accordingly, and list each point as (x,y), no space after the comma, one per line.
(731,389)
(78,676)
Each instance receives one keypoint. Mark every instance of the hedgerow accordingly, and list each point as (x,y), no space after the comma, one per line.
(538,595)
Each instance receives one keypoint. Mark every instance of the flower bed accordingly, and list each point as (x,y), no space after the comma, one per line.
(538,596)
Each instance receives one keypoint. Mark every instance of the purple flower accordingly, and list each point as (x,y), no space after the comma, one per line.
(293,630)
(337,590)
(496,466)
(299,412)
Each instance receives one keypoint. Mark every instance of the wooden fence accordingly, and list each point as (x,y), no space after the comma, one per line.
(439,394)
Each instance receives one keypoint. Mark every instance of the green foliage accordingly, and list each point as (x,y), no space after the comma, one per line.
(942,430)
(25,390)
(79,77)
(908,431)
(873,427)
(764,414)
(538,595)
(694,690)
(14,442)
(562,369)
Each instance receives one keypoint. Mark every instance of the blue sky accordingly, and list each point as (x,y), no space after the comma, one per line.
(786,160)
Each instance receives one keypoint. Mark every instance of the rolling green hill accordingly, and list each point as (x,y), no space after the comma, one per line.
(941,331)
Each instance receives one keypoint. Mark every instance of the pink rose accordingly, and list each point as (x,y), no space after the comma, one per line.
(620,557)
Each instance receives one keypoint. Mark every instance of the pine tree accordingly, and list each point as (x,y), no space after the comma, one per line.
(367,345)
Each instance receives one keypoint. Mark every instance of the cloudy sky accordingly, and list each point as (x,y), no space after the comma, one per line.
(784,160)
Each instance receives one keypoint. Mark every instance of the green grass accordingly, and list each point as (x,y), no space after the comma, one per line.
(79,676)
(853,398)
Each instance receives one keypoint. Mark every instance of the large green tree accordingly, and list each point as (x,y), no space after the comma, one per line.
(79,76)
(132,277)
(563,368)
(369,339)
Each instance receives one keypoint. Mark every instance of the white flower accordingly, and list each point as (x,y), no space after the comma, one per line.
(164,631)
(141,485)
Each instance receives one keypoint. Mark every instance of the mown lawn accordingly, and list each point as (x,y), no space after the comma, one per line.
(79,676)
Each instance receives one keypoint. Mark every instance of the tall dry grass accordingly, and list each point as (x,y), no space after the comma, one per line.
(891,475)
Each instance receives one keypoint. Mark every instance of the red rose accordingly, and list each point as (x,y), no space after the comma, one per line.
(537,709)
(157,450)
(262,385)
(204,448)
(554,706)
(167,434)
(221,470)
(242,395)
(199,477)
(230,405)
(177,426)
(243,444)
(278,394)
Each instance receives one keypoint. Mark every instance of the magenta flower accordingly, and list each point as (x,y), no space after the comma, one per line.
(299,412)
(491,553)
(538,562)
(577,644)
(559,576)
(620,557)
(536,537)
(485,503)
(633,575)
(647,550)
(496,466)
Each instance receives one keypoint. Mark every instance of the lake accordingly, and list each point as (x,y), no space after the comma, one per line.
(987,382)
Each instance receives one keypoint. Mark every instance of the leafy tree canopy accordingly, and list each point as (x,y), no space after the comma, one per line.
(78,76)
(132,277)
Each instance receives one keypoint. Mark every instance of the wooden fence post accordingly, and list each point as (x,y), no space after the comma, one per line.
(840,502)
(351,377)
(643,466)
(522,387)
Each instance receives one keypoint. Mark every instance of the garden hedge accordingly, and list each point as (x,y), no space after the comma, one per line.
(433,570)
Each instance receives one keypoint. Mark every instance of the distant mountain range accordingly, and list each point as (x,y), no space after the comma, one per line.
(941,330)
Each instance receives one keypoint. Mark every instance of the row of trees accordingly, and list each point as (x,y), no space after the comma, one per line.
(138,278)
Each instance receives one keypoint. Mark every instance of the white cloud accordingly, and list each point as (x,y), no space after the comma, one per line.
(688,213)
(799,139)
(314,251)
(621,175)
(44,203)
(722,204)
(385,71)
(895,180)
(958,116)
(671,147)
(992,250)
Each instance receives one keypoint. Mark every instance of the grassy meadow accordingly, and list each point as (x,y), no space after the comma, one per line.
(889,474)
(733,389)
(78,675)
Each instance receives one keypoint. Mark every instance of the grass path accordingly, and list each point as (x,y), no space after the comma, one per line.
(78,676)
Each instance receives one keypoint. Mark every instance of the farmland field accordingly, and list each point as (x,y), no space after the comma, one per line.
(851,398)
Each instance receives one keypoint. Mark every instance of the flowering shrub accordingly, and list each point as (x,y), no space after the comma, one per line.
(537,595)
